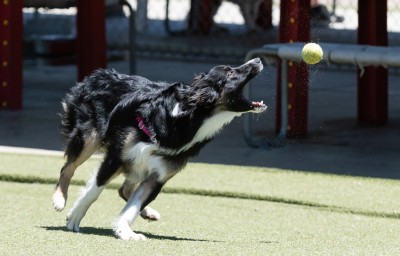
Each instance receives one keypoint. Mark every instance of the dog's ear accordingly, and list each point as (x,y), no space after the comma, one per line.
(198,78)
(205,97)
(204,92)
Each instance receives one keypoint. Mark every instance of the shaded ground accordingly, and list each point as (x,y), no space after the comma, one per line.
(335,143)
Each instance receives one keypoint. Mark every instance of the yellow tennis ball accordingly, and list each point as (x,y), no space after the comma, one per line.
(312,53)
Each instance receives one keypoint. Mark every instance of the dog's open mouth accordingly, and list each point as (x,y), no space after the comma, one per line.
(258,106)
(240,104)
(249,106)
(237,100)
(254,106)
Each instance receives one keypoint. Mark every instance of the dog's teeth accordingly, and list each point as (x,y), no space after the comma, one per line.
(258,104)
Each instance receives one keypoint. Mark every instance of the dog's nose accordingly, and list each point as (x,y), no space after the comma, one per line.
(257,60)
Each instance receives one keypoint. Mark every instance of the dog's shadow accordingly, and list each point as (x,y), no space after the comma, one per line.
(84,230)
(109,233)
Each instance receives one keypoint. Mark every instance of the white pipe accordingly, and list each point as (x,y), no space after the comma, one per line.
(359,55)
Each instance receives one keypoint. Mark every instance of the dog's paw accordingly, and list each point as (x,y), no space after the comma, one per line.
(149,213)
(74,219)
(58,201)
(125,233)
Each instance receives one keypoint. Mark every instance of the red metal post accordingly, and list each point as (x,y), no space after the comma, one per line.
(11,54)
(91,36)
(294,27)
(373,84)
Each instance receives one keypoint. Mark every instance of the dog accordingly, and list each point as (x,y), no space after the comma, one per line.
(147,131)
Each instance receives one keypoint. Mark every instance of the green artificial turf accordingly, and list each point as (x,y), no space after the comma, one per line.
(206,210)
(368,196)
(189,225)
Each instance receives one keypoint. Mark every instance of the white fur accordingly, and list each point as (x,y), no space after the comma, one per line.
(150,214)
(87,197)
(143,161)
(58,200)
(176,110)
(259,109)
(127,217)
(208,129)
(60,195)
(211,126)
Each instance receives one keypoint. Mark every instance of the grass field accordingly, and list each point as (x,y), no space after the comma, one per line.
(205,210)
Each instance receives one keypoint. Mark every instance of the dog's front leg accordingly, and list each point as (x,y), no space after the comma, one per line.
(144,194)
(126,190)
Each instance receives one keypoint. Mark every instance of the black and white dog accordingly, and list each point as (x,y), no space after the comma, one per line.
(148,131)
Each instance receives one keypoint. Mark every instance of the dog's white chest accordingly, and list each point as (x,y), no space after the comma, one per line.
(142,156)
(210,128)
(213,125)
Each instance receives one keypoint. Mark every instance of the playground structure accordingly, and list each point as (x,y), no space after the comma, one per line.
(363,56)
(294,27)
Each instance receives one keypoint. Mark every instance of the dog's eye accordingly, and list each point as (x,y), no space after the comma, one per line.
(231,73)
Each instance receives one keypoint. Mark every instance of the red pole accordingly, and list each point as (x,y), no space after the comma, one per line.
(294,27)
(11,54)
(91,36)
(373,84)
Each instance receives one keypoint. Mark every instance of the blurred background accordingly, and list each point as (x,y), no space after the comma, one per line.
(164,29)
(170,41)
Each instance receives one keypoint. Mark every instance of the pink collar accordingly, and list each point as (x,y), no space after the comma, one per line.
(143,127)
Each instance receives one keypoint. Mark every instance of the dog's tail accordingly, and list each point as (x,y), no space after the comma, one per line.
(74,113)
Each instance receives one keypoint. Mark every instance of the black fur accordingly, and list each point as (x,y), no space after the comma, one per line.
(106,110)
(108,102)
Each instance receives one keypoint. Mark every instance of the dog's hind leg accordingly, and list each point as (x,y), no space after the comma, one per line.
(79,149)
(109,169)
(149,213)
(126,190)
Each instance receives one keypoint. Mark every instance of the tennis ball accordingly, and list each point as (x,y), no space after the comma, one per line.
(312,53)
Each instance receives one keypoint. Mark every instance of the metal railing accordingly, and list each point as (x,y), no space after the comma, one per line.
(359,55)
